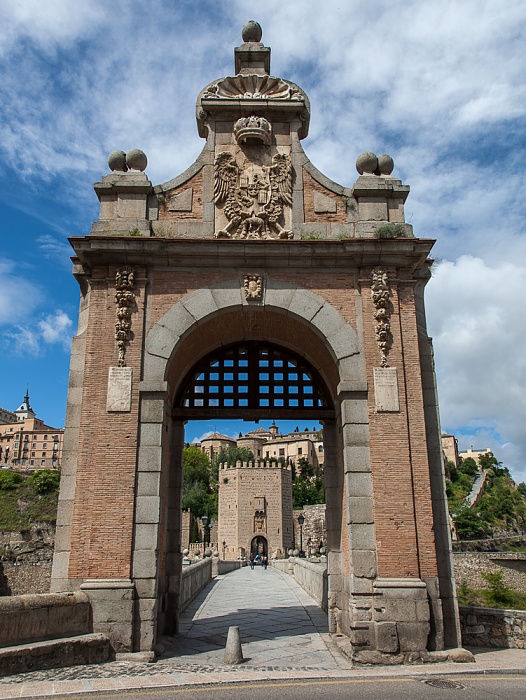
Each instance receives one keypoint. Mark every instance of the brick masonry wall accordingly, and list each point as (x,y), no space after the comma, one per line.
(311,186)
(102,520)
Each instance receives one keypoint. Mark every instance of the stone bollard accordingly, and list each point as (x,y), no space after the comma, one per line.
(233,653)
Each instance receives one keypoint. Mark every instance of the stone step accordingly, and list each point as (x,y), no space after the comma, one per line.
(55,653)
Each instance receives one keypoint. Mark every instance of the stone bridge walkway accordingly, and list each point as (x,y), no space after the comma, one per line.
(280,625)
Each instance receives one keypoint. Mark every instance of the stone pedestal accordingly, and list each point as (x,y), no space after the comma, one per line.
(112,603)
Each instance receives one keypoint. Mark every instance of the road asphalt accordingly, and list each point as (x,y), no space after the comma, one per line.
(283,634)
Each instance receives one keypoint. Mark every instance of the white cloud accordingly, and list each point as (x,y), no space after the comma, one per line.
(56,328)
(31,340)
(18,296)
(478,332)
(55,248)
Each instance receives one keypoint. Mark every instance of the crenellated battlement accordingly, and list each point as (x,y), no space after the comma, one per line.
(257,464)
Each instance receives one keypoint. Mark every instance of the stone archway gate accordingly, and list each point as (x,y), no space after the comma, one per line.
(253,244)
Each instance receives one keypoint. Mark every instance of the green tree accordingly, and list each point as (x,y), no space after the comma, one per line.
(468,466)
(470,524)
(199,486)
(307,492)
(231,455)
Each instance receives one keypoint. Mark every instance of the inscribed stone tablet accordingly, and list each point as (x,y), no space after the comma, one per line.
(386,389)
(119,389)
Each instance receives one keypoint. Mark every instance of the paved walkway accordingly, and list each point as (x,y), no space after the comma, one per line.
(279,624)
(283,633)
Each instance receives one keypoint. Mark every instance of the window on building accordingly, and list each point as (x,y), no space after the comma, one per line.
(32,454)
(32,462)
(43,463)
(16,444)
(282,452)
(34,445)
(45,437)
(43,454)
(300,450)
(44,445)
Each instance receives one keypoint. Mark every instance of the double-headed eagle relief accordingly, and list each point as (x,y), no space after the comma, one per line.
(254,197)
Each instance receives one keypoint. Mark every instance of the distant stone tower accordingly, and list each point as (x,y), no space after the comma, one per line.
(255,509)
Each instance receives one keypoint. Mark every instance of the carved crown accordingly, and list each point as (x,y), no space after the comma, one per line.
(253,127)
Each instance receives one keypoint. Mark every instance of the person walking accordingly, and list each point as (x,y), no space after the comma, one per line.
(251,560)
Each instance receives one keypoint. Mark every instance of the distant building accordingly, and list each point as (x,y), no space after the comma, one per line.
(474,454)
(213,444)
(450,448)
(268,444)
(27,443)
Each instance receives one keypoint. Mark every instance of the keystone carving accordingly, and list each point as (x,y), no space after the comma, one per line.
(253,286)
(380,296)
(254,197)
(125,300)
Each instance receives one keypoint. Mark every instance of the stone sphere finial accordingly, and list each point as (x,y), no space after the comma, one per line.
(366,163)
(136,160)
(117,161)
(385,164)
(252,32)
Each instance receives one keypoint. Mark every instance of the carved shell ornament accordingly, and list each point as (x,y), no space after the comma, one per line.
(253,87)
(253,198)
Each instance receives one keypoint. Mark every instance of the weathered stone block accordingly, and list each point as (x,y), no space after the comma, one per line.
(364,563)
(149,459)
(200,304)
(412,636)
(356,459)
(148,483)
(148,509)
(360,508)
(386,637)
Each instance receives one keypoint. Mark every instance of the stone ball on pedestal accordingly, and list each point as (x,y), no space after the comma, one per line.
(117,161)
(252,31)
(366,163)
(136,160)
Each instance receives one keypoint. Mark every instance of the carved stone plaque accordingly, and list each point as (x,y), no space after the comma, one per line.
(119,389)
(386,389)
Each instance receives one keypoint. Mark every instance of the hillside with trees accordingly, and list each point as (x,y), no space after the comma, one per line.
(500,508)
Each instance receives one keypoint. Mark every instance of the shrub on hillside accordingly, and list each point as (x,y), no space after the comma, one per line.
(45,480)
(9,480)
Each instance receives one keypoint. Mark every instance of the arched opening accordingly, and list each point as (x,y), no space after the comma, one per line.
(235,362)
(259,546)
(253,377)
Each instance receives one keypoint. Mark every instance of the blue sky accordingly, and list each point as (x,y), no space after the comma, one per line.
(439,86)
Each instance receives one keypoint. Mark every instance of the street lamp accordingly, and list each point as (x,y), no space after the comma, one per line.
(224,547)
(301,520)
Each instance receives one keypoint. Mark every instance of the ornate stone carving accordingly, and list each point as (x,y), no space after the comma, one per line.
(125,300)
(260,522)
(253,127)
(253,286)
(380,296)
(252,87)
(254,197)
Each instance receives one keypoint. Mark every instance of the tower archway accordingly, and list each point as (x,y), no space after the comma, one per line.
(253,248)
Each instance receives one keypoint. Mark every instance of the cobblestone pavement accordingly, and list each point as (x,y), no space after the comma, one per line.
(283,633)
